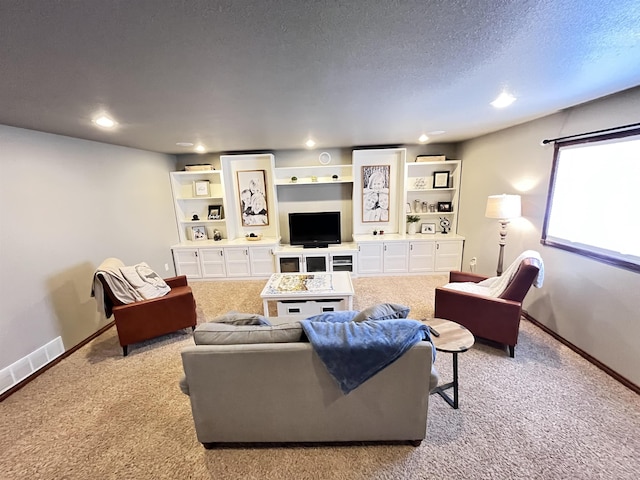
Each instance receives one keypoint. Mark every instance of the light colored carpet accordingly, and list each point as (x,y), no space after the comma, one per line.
(545,414)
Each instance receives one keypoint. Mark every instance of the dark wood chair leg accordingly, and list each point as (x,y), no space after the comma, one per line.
(125,350)
(193,329)
(512,351)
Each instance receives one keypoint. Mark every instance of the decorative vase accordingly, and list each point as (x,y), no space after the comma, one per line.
(412,227)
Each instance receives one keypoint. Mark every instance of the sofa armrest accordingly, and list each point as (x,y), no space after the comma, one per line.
(457,276)
(487,317)
(179,281)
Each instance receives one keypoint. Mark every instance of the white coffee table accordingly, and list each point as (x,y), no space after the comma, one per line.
(306,294)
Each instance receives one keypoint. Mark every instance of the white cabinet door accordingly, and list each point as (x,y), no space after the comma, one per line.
(342,262)
(448,255)
(212,262)
(316,262)
(261,259)
(370,258)
(236,260)
(421,256)
(289,263)
(396,257)
(187,262)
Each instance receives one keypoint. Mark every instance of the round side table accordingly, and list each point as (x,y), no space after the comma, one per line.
(451,337)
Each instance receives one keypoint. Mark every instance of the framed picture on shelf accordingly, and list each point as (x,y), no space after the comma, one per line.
(420,183)
(215,212)
(198,233)
(253,197)
(441,179)
(428,228)
(201,188)
(375,193)
(445,207)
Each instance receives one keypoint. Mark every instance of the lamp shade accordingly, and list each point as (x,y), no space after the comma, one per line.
(503,206)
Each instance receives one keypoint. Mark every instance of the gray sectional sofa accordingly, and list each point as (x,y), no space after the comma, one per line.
(257,383)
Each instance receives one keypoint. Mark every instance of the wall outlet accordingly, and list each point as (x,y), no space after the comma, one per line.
(472,264)
(166,267)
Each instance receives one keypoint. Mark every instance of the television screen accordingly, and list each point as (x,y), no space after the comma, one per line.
(314,229)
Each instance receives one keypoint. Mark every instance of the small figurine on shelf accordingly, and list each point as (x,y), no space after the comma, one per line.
(445,223)
(217,235)
(195,217)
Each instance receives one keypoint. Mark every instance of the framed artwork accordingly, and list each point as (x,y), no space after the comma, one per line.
(445,207)
(201,188)
(215,212)
(253,198)
(441,179)
(420,183)
(198,233)
(428,228)
(375,193)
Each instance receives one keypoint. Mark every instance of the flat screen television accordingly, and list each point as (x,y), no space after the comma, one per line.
(314,229)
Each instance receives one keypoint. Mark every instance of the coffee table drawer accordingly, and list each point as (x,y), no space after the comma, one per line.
(309,307)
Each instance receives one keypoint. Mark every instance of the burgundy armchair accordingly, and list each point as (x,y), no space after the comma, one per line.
(147,319)
(491,318)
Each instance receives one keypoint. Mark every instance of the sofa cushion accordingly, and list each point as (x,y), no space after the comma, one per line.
(237,318)
(382,311)
(224,334)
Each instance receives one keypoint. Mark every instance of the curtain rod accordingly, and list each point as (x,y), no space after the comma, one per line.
(587,134)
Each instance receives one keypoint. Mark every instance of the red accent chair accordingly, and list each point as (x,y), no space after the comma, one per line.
(491,318)
(147,319)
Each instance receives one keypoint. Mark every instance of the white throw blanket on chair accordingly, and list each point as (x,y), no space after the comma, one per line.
(494,286)
(146,282)
(121,288)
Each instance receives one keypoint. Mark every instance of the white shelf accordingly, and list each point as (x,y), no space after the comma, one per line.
(198,198)
(430,190)
(323,173)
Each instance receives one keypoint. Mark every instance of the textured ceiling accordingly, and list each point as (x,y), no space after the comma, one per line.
(266,74)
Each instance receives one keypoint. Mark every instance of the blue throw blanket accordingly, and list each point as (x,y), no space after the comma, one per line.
(355,351)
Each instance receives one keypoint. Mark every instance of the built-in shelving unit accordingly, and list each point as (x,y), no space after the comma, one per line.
(426,197)
(413,188)
(189,202)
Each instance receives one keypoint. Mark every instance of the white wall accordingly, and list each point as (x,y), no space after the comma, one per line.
(66,205)
(591,304)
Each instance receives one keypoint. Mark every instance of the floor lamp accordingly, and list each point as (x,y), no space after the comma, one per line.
(503,207)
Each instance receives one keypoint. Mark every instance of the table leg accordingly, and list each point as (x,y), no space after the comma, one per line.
(440,390)
(265,305)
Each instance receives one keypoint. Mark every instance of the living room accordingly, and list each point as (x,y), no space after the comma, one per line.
(69,203)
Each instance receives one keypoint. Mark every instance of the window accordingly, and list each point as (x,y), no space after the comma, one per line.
(594,199)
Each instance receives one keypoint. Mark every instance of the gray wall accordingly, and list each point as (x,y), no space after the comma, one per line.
(591,304)
(66,205)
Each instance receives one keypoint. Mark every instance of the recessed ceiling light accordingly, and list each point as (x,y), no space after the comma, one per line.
(200,149)
(310,143)
(184,144)
(423,138)
(504,100)
(104,121)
